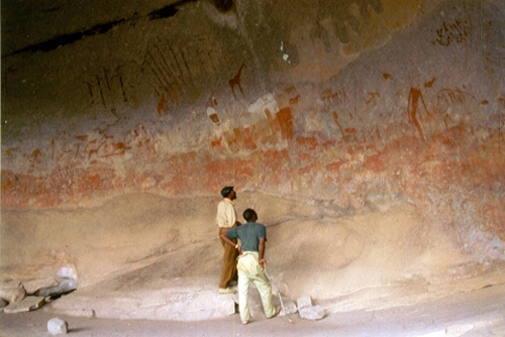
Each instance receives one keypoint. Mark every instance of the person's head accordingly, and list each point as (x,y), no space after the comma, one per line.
(228,192)
(250,215)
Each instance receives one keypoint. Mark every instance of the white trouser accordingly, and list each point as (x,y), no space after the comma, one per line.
(249,270)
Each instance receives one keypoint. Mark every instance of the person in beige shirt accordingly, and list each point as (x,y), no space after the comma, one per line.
(226,218)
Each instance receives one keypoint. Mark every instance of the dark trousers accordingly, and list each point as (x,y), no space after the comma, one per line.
(229,271)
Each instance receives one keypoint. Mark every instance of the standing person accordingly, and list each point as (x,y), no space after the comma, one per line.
(251,264)
(226,218)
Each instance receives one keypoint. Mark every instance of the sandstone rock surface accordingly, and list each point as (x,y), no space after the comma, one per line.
(179,303)
(12,291)
(28,303)
(368,136)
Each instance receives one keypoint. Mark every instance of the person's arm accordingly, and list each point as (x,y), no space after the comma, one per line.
(225,238)
(262,236)
(230,234)
(261,249)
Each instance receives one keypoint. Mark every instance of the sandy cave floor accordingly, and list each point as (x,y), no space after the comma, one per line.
(478,313)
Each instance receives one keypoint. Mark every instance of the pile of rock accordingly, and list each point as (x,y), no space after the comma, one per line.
(66,282)
(307,310)
(304,306)
(14,298)
(288,307)
(11,294)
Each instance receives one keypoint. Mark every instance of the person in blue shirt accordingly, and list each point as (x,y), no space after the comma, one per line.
(251,263)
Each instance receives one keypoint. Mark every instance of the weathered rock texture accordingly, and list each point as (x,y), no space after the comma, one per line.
(346,107)
(57,326)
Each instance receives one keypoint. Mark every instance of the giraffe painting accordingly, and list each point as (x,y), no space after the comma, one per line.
(235,81)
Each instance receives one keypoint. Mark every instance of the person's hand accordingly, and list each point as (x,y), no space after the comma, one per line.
(263,263)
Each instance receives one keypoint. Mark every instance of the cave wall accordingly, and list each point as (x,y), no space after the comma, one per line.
(349,103)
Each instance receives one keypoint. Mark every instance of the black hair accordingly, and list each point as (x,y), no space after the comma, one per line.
(226,191)
(250,215)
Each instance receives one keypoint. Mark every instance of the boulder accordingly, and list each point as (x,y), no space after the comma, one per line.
(289,308)
(313,313)
(32,285)
(304,301)
(28,303)
(68,272)
(64,286)
(66,282)
(12,291)
(57,326)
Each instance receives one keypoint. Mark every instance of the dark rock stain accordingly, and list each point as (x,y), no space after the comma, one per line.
(168,10)
(69,38)
(102,28)
(223,5)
